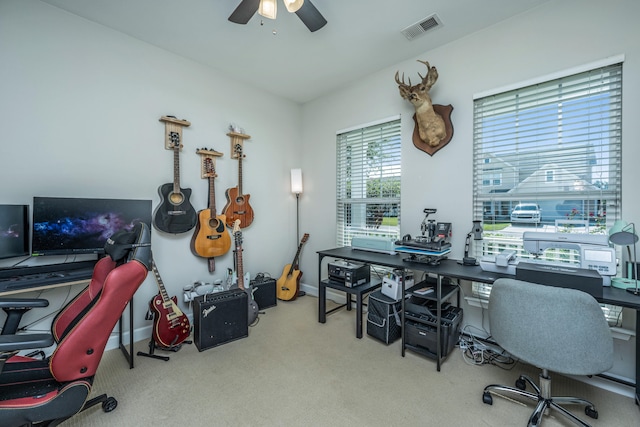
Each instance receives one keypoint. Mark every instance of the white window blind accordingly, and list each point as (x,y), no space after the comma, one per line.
(555,144)
(368,182)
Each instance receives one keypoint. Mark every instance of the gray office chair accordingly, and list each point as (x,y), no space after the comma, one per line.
(555,329)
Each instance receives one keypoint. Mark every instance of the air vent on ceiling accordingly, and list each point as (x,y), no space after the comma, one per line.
(427,24)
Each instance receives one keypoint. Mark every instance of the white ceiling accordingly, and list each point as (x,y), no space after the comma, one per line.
(361,37)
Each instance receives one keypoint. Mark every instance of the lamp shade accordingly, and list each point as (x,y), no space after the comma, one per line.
(622,233)
(296,181)
(293,5)
(268,8)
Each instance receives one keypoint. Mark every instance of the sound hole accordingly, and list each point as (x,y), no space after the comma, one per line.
(239,200)
(216,224)
(176,198)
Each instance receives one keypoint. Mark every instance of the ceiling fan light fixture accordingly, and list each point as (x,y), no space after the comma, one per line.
(293,5)
(268,8)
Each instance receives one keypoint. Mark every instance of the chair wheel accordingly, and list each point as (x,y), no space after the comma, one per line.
(109,404)
(487,398)
(591,412)
(521,384)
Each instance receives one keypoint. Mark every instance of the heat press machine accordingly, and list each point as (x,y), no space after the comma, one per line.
(432,246)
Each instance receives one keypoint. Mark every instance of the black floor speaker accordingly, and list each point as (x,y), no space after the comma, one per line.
(264,292)
(220,318)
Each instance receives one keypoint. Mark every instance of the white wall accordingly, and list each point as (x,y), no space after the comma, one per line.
(81,106)
(557,36)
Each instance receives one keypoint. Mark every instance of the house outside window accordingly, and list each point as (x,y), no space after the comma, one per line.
(368,160)
(556,144)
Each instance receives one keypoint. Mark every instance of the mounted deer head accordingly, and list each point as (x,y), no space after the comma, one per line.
(431,126)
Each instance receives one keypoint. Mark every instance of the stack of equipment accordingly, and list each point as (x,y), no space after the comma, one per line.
(421,323)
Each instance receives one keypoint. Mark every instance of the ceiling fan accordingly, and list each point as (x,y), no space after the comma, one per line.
(305,10)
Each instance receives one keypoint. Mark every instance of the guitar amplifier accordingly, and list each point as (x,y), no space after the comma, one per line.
(264,292)
(220,318)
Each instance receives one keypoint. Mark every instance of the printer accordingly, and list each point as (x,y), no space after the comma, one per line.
(349,274)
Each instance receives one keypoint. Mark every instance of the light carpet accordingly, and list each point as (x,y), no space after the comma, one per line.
(293,371)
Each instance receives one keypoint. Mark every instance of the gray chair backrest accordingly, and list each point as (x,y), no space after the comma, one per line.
(559,329)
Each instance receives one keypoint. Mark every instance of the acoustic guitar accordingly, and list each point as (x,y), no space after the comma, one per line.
(174,214)
(287,286)
(170,325)
(242,280)
(210,238)
(238,207)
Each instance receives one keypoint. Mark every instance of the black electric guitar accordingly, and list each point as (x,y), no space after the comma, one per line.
(174,214)
(240,276)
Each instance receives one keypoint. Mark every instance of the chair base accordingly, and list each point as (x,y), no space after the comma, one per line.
(543,398)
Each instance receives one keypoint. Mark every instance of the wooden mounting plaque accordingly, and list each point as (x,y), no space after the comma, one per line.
(171,124)
(206,153)
(236,138)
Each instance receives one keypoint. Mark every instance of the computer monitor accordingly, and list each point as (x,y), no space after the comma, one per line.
(14,231)
(74,226)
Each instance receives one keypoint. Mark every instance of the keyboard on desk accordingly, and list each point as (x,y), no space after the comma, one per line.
(43,277)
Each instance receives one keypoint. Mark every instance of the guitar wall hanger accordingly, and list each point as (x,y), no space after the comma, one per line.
(172,124)
(237,139)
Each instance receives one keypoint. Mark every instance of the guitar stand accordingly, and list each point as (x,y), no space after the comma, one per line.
(153,346)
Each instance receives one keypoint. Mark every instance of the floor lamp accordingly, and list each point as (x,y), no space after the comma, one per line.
(296,188)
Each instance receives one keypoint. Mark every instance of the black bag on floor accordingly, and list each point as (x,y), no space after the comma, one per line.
(383,318)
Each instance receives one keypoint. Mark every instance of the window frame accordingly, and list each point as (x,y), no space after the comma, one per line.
(504,102)
(368,160)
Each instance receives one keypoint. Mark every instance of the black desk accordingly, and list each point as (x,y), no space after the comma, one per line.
(447,268)
(451,268)
(359,291)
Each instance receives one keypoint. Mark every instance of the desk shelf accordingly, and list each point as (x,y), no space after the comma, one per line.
(424,331)
(448,291)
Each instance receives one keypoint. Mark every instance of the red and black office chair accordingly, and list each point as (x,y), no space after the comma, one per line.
(49,391)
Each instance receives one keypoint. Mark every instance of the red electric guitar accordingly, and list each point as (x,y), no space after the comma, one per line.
(170,325)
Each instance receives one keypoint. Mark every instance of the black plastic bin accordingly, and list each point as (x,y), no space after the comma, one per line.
(383,317)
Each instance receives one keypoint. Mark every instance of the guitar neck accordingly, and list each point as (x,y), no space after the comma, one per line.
(161,288)
(240,174)
(294,264)
(212,196)
(238,254)
(176,168)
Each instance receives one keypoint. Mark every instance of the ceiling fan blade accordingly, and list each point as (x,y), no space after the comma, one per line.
(311,17)
(245,10)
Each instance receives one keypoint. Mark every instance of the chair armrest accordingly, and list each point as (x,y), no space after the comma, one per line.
(10,343)
(21,303)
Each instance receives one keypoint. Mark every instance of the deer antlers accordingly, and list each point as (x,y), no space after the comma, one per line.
(428,80)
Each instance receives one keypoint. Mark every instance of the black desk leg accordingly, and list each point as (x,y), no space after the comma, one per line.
(358,313)
(349,301)
(322,302)
(128,355)
(637,358)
